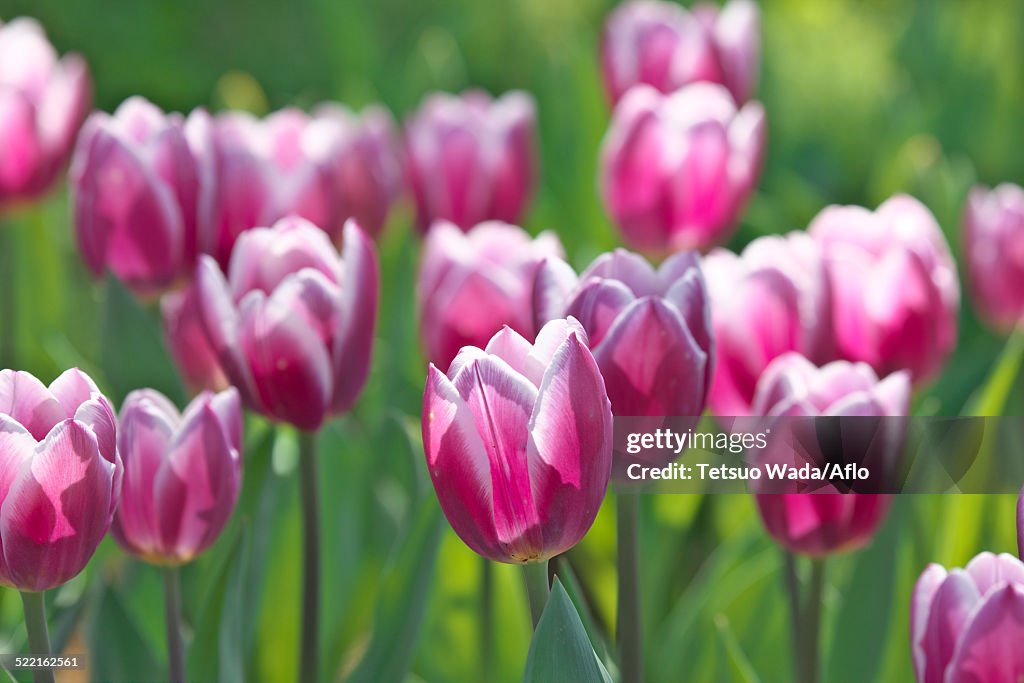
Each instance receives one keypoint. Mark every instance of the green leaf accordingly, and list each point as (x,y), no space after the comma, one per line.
(117,649)
(561,650)
(739,667)
(991,398)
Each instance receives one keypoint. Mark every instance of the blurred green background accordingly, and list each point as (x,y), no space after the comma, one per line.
(864,99)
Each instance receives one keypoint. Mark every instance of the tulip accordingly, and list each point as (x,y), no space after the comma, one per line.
(967,625)
(43,101)
(60,477)
(188,343)
(182,474)
(470,158)
(667,47)
(677,170)
(326,167)
(894,284)
(473,284)
(994,250)
(144,189)
(518,442)
(771,299)
(819,524)
(292,325)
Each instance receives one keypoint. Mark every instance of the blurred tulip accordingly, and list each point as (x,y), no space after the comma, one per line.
(187,341)
(649,329)
(967,625)
(144,190)
(182,474)
(663,45)
(994,253)
(771,299)
(819,524)
(60,477)
(293,323)
(518,441)
(677,170)
(470,158)
(473,284)
(326,167)
(894,285)
(43,102)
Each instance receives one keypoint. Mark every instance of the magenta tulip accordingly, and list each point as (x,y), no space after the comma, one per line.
(649,329)
(518,441)
(60,477)
(144,190)
(188,343)
(663,45)
(967,625)
(993,242)
(326,167)
(43,102)
(677,170)
(771,299)
(819,524)
(182,474)
(473,284)
(293,323)
(470,158)
(894,285)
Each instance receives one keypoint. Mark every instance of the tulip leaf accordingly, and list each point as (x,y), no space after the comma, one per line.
(117,649)
(991,398)
(737,664)
(561,650)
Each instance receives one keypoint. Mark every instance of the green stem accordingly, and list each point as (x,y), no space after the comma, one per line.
(486,619)
(310,654)
(628,626)
(38,635)
(537,588)
(793,591)
(172,613)
(8,297)
(811,623)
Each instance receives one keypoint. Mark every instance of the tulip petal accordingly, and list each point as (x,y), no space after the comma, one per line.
(597,304)
(950,608)
(21,153)
(554,281)
(28,401)
(990,646)
(186,339)
(989,570)
(357,322)
(220,321)
(920,605)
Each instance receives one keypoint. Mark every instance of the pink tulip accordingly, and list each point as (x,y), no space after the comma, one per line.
(967,625)
(293,323)
(771,299)
(677,170)
(649,329)
(473,284)
(518,441)
(43,101)
(894,284)
(471,159)
(182,474)
(60,477)
(144,190)
(994,253)
(663,45)
(326,167)
(186,339)
(823,523)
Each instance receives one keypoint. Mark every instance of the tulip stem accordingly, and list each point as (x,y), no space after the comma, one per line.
(537,588)
(486,619)
(811,623)
(310,654)
(8,297)
(793,590)
(38,635)
(172,613)
(628,627)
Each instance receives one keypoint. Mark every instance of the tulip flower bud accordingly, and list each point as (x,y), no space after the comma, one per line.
(144,187)
(518,441)
(994,253)
(771,299)
(473,284)
(186,339)
(182,474)
(822,523)
(966,625)
(60,477)
(293,323)
(470,158)
(677,170)
(663,45)
(894,286)
(43,102)
(326,167)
